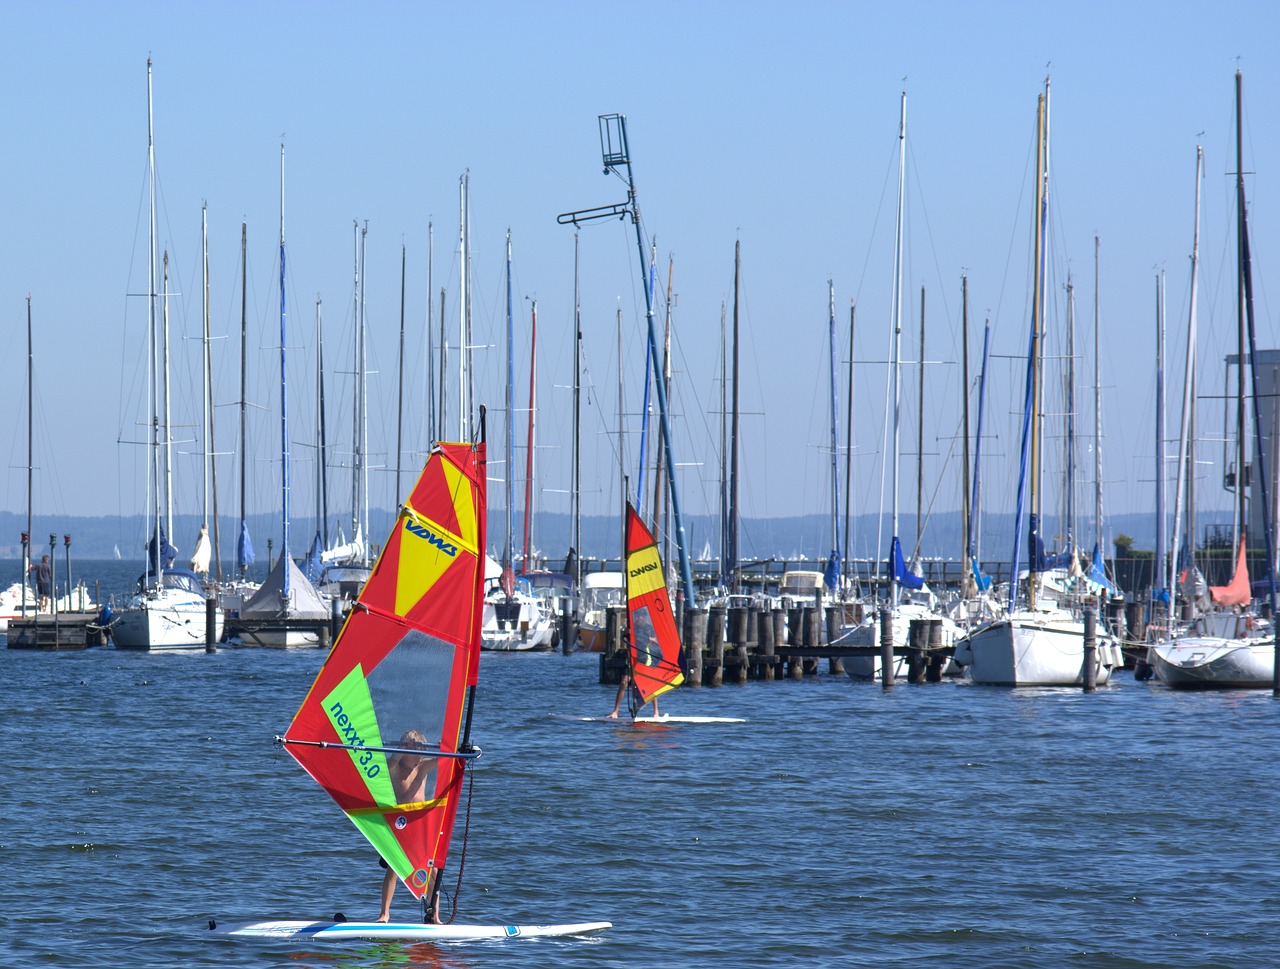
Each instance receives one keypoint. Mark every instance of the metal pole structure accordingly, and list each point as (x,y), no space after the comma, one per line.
(613,136)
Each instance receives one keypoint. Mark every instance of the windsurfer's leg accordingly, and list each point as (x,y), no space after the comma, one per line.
(617,701)
(388,891)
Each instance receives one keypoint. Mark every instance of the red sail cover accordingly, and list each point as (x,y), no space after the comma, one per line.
(1237,591)
(398,674)
(657,664)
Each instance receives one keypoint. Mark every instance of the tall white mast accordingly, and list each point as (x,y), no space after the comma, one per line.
(895,364)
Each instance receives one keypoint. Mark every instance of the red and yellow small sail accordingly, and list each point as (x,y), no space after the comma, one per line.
(657,662)
(399,676)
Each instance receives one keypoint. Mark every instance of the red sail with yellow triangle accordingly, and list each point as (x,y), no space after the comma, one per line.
(657,662)
(384,727)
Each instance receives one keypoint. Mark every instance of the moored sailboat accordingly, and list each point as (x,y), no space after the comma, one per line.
(1040,640)
(1228,647)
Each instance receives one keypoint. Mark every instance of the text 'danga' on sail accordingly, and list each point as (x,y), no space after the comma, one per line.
(657,662)
(384,727)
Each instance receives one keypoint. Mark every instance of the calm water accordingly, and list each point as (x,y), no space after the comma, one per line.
(941,825)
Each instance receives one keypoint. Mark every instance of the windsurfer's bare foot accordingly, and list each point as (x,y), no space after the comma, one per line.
(612,716)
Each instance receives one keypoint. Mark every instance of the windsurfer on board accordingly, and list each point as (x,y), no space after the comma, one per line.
(622,691)
(409,775)
(647,651)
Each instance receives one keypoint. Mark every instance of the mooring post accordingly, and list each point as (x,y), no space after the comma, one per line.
(715,643)
(764,626)
(695,635)
(795,637)
(568,631)
(738,638)
(937,659)
(886,647)
(1090,673)
(210,623)
(835,665)
(917,639)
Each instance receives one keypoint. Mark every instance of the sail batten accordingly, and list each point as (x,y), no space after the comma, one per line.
(382,727)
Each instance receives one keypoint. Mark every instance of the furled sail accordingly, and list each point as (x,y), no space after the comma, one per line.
(384,727)
(1235,592)
(657,663)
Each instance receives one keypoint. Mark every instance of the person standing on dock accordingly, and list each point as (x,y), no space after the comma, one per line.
(42,575)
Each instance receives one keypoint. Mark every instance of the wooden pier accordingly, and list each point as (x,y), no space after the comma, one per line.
(742,643)
(67,630)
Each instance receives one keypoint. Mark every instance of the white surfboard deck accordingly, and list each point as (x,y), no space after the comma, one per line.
(665,718)
(403,931)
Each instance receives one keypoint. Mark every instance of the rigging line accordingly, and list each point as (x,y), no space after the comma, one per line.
(462,857)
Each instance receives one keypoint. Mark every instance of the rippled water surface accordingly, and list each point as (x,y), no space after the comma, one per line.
(842,825)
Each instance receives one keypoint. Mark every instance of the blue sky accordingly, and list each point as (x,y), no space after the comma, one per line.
(770,124)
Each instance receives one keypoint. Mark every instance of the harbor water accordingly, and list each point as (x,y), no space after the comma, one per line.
(842,825)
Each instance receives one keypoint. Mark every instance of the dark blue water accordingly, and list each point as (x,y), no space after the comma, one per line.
(842,825)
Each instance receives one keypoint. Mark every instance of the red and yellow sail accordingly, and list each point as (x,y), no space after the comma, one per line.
(657,663)
(398,677)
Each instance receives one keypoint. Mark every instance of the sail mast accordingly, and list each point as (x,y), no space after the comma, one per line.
(529,451)
(835,565)
(400,381)
(895,394)
(1187,433)
(1161,565)
(26,536)
(732,556)
(576,498)
(965,511)
(244,546)
(284,398)
(509,472)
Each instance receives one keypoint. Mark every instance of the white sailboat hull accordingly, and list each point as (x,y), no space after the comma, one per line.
(170,620)
(518,623)
(1034,648)
(1210,662)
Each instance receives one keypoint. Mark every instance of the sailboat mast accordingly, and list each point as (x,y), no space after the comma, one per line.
(204,364)
(167,429)
(529,450)
(1187,434)
(1071,417)
(244,445)
(975,505)
(1037,330)
(284,396)
(322,453)
(1242,477)
(210,449)
(724,445)
(835,429)
(510,470)
(1161,564)
(400,381)
(964,379)
(732,556)
(895,393)
(1097,399)
(920,437)
(576,498)
(362,405)
(848,452)
(153,466)
(27,536)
